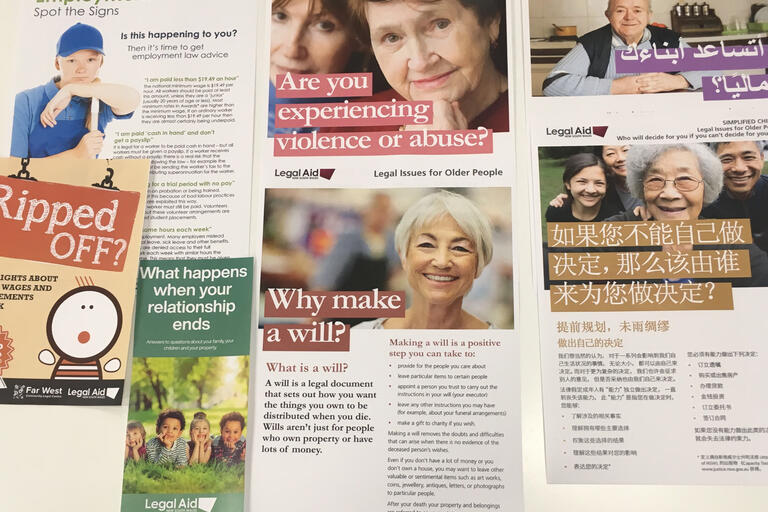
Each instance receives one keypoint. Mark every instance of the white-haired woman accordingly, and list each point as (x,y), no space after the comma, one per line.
(444,242)
(675,181)
(450,52)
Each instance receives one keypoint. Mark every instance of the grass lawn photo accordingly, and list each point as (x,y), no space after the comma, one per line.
(215,386)
(147,478)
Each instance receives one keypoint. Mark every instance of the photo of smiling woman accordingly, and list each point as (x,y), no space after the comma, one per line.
(67,116)
(444,242)
(674,182)
(358,239)
(309,37)
(452,52)
(586,182)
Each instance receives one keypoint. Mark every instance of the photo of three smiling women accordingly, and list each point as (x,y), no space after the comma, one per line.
(452,52)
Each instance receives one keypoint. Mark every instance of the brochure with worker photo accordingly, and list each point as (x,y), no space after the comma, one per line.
(652,275)
(387,359)
(71,231)
(168,81)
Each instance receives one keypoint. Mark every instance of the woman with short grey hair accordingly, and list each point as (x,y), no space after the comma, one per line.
(444,241)
(675,181)
(641,158)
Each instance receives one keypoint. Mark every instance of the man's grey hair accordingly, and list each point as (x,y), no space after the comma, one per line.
(641,158)
(760,144)
(607,9)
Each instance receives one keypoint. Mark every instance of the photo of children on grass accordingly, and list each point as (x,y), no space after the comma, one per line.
(186,425)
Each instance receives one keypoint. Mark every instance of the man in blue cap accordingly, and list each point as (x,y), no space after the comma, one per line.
(52,120)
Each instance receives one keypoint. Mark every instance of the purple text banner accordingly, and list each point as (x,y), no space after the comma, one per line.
(734,87)
(708,57)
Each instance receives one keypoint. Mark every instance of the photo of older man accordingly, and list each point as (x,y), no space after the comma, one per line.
(590,69)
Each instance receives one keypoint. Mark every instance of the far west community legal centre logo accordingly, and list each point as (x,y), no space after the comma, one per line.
(578,131)
(305,174)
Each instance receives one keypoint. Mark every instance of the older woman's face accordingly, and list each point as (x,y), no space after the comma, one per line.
(441,262)
(670,203)
(430,51)
(305,41)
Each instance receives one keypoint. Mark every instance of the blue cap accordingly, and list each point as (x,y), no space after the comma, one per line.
(79,37)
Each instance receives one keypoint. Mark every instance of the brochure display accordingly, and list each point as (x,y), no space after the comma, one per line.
(387,357)
(188,409)
(385,255)
(71,232)
(650,228)
(157,86)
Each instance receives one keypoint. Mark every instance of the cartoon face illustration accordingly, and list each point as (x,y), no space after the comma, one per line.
(84,323)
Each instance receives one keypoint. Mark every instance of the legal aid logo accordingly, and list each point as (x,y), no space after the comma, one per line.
(180,504)
(305,174)
(327,173)
(206,504)
(578,131)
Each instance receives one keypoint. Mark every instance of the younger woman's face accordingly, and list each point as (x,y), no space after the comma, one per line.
(615,157)
(307,41)
(81,67)
(231,431)
(588,186)
(171,427)
(134,435)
